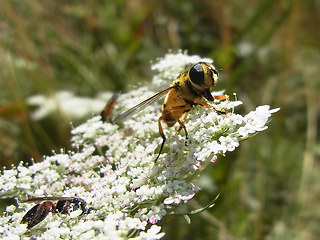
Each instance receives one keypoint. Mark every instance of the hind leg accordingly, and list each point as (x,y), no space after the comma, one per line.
(184,119)
(162,135)
(182,126)
(174,114)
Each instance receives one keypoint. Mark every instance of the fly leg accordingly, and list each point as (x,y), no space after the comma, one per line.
(206,105)
(222,97)
(175,112)
(184,119)
(162,135)
(185,130)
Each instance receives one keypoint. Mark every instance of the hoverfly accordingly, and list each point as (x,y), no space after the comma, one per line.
(45,205)
(185,92)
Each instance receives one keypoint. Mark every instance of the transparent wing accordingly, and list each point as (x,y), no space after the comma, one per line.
(142,105)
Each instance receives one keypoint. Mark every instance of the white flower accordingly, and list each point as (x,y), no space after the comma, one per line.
(255,121)
(10,208)
(113,168)
(152,234)
(72,106)
(228,143)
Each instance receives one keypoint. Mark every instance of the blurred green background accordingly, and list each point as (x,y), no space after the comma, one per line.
(269,53)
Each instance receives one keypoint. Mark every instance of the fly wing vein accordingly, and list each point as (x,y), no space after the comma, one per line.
(142,105)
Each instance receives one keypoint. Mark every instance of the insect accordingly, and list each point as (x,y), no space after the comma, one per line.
(108,108)
(185,92)
(45,205)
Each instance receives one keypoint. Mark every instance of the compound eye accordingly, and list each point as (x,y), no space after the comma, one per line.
(196,75)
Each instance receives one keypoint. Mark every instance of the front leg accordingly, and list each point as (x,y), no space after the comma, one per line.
(203,104)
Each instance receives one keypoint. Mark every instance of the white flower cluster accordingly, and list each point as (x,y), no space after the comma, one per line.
(73,107)
(113,168)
